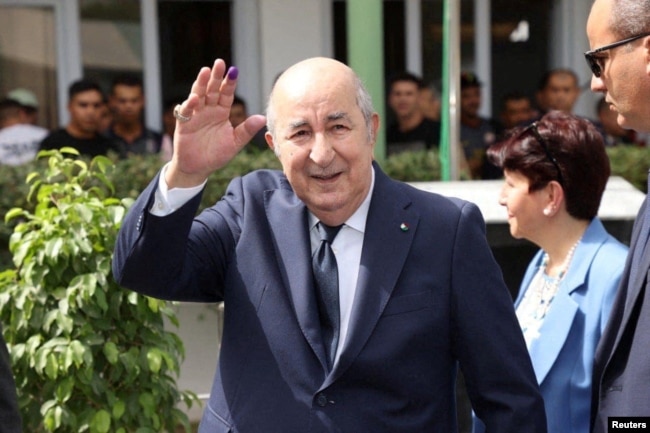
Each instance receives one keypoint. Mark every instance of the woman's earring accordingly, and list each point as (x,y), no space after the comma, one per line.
(547,211)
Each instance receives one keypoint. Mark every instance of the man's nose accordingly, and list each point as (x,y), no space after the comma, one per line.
(597,84)
(322,151)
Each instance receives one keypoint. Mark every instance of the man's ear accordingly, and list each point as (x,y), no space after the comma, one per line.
(374,127)
(269,140)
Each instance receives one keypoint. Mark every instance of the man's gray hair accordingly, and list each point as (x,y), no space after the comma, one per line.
(630,17)
(364,101)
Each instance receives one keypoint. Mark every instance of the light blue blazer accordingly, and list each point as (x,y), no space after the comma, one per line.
(563,354)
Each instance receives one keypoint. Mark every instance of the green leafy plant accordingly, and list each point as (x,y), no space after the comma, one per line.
(415,166)
(14,194)
(632,163)
(87,355)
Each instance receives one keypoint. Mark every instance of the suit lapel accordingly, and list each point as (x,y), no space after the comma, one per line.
(631,285)
(545,351)
(638,275)
(636,284)
(288,221)
(390,225)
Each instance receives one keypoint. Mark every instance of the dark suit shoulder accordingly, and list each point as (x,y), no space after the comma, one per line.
(439,212)
(430,200)
(265,177)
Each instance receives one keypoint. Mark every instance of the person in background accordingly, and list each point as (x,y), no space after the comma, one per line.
(83,131)
(556,170)
(612,132)
(369,345)
(169,126)
(19,140)
(28,102)
(516,110)
(558,89)
(105,118)
(476,132)
(128,131)
(619,37)
(239,113)
(430,103)
(411,130)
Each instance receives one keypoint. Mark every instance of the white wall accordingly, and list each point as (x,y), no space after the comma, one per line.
(200,328)
(290,31)
(246,47)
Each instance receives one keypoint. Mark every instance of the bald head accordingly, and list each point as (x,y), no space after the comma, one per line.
(304,73)
(308,76)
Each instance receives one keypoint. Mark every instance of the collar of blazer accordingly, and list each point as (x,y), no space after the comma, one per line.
(545,351)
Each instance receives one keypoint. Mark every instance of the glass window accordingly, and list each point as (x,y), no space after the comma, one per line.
(519,35)
(28,57)
(520,46)
(192,35)
(111,39)
(519,43)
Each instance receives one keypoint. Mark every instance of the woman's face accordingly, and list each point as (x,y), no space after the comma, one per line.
(525,209)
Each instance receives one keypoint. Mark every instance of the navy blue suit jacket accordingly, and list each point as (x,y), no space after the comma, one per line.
(427,298)
(621,377)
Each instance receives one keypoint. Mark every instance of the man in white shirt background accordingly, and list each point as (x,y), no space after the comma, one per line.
(19,139)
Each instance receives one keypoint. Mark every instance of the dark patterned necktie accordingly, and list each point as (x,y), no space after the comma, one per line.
(326,279)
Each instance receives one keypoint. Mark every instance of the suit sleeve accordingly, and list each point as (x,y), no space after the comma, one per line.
(488,341)
(611,264)
(175,257)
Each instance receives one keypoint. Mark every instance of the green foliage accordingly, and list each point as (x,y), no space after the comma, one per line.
(87,355)
(417,166)
(14,194)
(631,163)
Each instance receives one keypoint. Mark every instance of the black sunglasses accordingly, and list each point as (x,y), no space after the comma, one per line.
(549,155)
(595,62)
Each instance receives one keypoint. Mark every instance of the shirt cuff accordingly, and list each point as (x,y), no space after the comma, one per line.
(166,200)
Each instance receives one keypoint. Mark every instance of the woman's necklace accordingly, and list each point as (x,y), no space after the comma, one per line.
(565,264)
(540,294)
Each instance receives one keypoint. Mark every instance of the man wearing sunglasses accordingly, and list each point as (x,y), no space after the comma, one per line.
(619,36)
